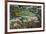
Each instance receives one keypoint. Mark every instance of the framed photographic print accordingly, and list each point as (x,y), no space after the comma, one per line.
(25,17)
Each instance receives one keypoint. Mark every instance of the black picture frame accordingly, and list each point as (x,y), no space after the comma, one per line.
(6,1)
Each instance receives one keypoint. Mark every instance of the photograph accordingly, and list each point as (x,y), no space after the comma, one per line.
(24,17)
